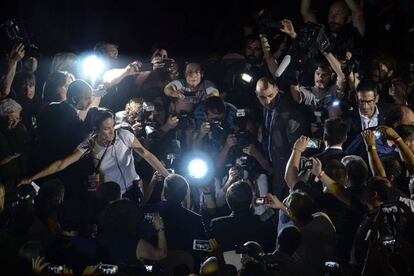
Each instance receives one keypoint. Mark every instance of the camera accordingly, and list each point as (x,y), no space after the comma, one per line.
(305,164)
(184,120)
(217,130)
(166,65)
(314,143)
(261,200)
(55,269)
(201,245)
(243,168)
(12,32)
(108,269)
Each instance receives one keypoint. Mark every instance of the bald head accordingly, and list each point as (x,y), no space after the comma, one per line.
(407,116)
(266,92)
(338,16)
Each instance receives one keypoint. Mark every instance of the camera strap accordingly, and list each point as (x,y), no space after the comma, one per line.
(98,165)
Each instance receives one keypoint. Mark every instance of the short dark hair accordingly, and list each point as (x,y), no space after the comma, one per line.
(77,89)
(215,105)
(381,186)
(96,116)
(392,167)
(239,196)
(336,170)
(300,205)
(108,191)
(55,79)
(335,131)
(22,79)
(405,131)
(121,218)
(357,171)
(394,116)
(367,85)
(289,239)
(175,188)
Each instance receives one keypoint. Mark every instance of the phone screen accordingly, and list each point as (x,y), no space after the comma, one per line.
(201,245)
(314,144)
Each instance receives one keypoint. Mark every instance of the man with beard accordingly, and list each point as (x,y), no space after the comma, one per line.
(283,124)
(345,26)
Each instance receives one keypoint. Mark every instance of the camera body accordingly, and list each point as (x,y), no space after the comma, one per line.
(218,132)
(12,32)
(305,164)
(184,120)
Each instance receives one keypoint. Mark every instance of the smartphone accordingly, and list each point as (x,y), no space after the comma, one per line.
(314,143)
(191,99)
(55,269)
(378,134)
(201,245)
(261,200)
(149,268)
(246,77)
(108,269)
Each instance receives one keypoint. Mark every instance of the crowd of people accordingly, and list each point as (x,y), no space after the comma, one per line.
(292,156)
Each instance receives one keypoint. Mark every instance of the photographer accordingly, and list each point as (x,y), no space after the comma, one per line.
(215,135)
(370,240)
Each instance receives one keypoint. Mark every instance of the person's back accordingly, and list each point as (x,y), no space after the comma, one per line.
(242,225)
(182,226)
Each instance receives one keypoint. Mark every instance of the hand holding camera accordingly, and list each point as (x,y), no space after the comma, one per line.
(301,144)
(133,68)
(316,166)
(205,129)
(370,138)
(171,123)
(158,222)
(250,150)
(274,202)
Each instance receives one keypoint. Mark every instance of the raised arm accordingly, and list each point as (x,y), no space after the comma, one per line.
(306,12)
(334,188)
(340,76)
(375,163)
(406,154)
(15,55)
(357,15)
(292,166)
(149,157)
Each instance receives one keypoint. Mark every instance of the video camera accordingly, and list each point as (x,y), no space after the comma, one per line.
(165,64)
(12,33)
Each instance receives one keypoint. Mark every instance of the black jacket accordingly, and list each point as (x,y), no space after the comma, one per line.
(330,154)
(238,228)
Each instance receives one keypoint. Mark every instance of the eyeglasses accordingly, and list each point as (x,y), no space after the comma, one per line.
(367,102)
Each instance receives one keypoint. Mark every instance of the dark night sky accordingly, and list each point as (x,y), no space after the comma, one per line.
(185,27)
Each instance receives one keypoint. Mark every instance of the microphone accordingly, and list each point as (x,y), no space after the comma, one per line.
(283,65)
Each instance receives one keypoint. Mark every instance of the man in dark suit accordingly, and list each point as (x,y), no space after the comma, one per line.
(60,130)
(182,226)
(242,225)
(369,113)
(283,125)
(334,136)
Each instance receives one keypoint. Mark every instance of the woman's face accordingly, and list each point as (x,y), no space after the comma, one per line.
(13,119)
(106,131)
(27,90)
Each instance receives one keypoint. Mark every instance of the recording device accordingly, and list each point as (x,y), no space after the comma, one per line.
(149,217)
(261,200)
(243,168)
(266,23)
(217,130)
(246,77)
(305,164)
(108,269)
(166,64)
(55,269)
(149,268)
(331,268)
(184,120)
(12,33)
(201,245)
(379,134)
(148,107)
(314,143)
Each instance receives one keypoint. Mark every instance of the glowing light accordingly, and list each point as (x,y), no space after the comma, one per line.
(197,168)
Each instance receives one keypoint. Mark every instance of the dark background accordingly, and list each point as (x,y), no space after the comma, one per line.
(186,28)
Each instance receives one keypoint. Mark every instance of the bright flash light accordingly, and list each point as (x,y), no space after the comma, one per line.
(335,103)
(246,77)
(93,66)
(197,168)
